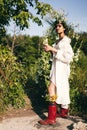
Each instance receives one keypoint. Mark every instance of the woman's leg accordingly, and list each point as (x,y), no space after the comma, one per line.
(51,89)
(52,109)
(64,111)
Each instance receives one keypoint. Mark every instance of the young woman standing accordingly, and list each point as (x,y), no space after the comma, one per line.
(58,88)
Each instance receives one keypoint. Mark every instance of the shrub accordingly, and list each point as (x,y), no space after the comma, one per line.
(12,79)
(78,83)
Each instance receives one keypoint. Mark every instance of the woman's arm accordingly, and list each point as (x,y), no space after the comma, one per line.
(49,48)
(65,53)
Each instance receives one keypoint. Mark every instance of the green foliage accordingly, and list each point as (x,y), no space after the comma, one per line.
(12,79)
(78,83)
(27,50)
(83,37)
(19,12)
(43,8)
(43,69)
(41,79)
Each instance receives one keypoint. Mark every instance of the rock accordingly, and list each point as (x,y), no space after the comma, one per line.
(80,126)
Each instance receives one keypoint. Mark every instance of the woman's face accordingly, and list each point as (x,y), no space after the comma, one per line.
(60,29)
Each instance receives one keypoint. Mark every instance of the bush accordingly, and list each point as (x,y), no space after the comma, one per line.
(12,80)
(78,83)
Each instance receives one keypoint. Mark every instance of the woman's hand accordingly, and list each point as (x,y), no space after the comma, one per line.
(48,48)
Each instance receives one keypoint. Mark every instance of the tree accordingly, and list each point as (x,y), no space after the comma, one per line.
(84,42)
(19,11)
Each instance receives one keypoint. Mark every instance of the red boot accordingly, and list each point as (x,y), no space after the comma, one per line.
(51,115)
(63,113)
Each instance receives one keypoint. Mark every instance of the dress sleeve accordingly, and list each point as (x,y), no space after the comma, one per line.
(65,53)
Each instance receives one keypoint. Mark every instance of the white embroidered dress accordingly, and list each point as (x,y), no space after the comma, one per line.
(60,70)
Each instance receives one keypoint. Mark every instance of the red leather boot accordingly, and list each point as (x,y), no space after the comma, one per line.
(52,109)
(63,113)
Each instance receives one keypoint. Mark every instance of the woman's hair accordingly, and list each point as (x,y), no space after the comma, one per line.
(63,23)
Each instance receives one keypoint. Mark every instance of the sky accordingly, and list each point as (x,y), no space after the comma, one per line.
(77,14)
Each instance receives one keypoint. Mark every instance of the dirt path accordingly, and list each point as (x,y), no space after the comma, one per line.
(30,123)
(28,120)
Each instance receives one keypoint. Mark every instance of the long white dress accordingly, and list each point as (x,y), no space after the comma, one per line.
(60,70)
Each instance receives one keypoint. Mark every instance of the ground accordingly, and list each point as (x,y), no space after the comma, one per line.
(27,119)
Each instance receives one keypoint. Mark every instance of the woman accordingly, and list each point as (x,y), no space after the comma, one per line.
(59,75)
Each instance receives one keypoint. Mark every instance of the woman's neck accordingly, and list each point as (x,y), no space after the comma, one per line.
(61,35)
